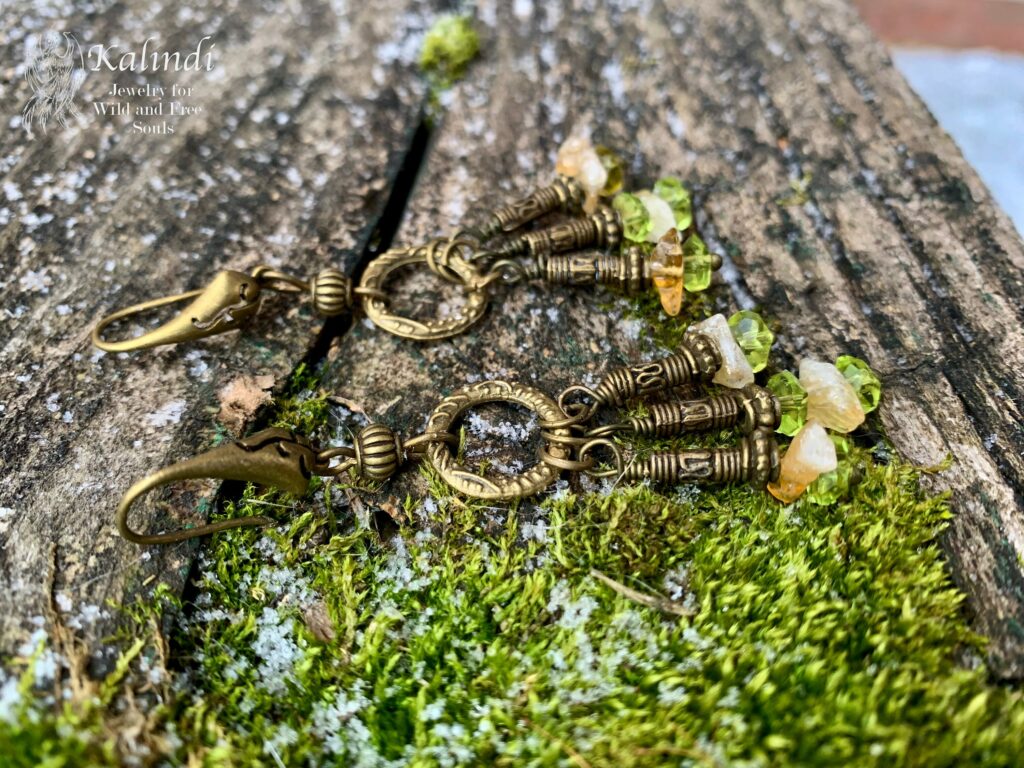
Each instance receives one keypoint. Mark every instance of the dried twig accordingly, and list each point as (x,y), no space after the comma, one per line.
(657,602)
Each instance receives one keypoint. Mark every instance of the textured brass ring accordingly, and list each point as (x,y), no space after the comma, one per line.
(506,488)
(376,276)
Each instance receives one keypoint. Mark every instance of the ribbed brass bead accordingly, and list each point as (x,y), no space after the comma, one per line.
(609,225)
(762,458)
(378,452)
(759,409)
(332,292)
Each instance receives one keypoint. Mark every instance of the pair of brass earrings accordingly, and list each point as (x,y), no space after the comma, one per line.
(585,246)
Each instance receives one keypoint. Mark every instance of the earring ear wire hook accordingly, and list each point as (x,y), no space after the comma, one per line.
(230,299)
(273,457)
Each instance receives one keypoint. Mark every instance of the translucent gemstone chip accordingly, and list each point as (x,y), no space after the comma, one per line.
(754,337)
(666,262)
(863,380)
(578,158)
(592,177)
(698,264)
(792,400)
(672,191)
(571,155)
(636,222)
(735,370)
(831,399)
(662,219)
(830,487)
(615,168)
(811,454)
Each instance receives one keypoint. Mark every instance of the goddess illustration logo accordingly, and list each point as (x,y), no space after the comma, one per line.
(55,70)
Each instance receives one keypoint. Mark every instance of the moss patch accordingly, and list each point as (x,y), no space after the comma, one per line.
(449,46)
(473,634)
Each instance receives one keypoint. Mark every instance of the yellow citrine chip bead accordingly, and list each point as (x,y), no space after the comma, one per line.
(666,263)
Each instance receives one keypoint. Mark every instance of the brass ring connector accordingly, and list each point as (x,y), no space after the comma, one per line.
(281,282)
(601,442)
(379,271)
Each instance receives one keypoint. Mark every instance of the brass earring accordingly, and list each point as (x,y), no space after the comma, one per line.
(582,249)
(570,440)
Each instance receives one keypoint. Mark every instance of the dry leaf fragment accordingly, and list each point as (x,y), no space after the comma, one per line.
(240,398)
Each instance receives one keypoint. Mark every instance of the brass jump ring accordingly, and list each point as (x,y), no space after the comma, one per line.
(323,466)
(507,271)
(587,410)
(608,429)
(604,443)
(439,266)
(573,441)
(419,443)
(371,293)
(575,413)
(270,278)
(569,465)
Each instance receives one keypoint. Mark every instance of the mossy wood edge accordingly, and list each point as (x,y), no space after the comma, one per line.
(849,217)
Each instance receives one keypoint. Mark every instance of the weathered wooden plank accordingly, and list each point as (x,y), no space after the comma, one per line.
(929,284)
(306,120)
(890,247)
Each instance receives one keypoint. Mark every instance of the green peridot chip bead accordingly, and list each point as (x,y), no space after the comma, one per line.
(754,337)
(863,379)
(672,191)
(792,399)
(833,486)
(616,170)
(698,264)
(636,222)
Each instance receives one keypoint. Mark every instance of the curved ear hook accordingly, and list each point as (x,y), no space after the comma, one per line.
(273,457)
(230,299)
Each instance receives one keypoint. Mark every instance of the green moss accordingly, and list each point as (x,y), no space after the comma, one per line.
(667,332)
(303,407)
(799,191)
(78,719)
(449,46)
(475,634)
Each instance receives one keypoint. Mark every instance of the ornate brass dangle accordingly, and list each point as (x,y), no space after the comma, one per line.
(750,409)
(755,459)
(563,194)
(601,229)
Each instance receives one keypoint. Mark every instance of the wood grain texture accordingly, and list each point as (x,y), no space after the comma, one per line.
(306,120)
(849,218)
(846,214)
